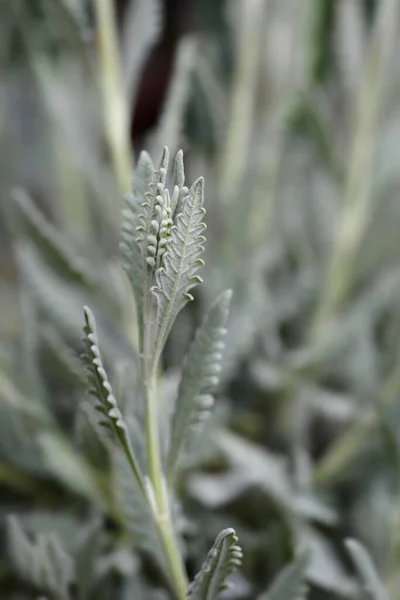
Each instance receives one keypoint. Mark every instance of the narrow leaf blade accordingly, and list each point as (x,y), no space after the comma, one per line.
(366,570)
(200,375)
(181,262)
(41,562)
(289,583)
(100,388)
(223,558)
(131,252)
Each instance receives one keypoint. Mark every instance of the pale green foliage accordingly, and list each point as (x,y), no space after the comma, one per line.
(101,389)
(141,29)
(136,510)
(57,248)
(152,214)
(130,249)
(42,562)
(161,246)
(181,262)
(307,237)
(223,558)
(366,570)
(200,375)
(289,584)
(130,490)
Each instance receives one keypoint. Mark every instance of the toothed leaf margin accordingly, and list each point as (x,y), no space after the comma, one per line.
(200,375)
(224,557)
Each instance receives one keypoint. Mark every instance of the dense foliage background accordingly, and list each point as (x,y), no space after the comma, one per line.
(290,109)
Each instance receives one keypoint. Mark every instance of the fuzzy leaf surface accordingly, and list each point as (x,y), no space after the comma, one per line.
(200,374)
(223,558)
(132,261)
(178,275)
(100,388)
(136,511)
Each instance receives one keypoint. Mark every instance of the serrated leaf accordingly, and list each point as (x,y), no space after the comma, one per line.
(137,230)
(366,570)
(178,275)
(223,558)
(200,375)
(131,251)
(41,562)
(149,203)
(289,583)
(100,388)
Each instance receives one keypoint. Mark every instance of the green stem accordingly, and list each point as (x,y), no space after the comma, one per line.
(241,113)
(356,200)
(174,557)
(162,515)
(161,510)
(152,439)
(114,106)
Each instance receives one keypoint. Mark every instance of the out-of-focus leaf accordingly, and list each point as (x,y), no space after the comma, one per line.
(290,582)
(366,570)
(64,464)
(42,562)
(56,248)
(136,511)
(141,29)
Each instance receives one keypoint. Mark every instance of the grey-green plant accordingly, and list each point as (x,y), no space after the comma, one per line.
(162,245)
(42,562)
(290,583)
(325,398)
(370,579)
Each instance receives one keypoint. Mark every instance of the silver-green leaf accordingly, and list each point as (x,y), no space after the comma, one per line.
(200,374)
(100,388)
(290,582)
(42,562)
(132,261)
(366,570)
(181,261)
(224,557)
(57,250)
(136,511)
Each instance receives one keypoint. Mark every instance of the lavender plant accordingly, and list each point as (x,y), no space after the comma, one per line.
(162,245)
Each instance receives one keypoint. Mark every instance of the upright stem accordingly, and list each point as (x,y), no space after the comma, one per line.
(115,110)
(240,120)
(356,195)
(152,438)
(174,557)
(161,510)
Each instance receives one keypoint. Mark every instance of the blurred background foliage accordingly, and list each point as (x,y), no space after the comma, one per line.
(290,109)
